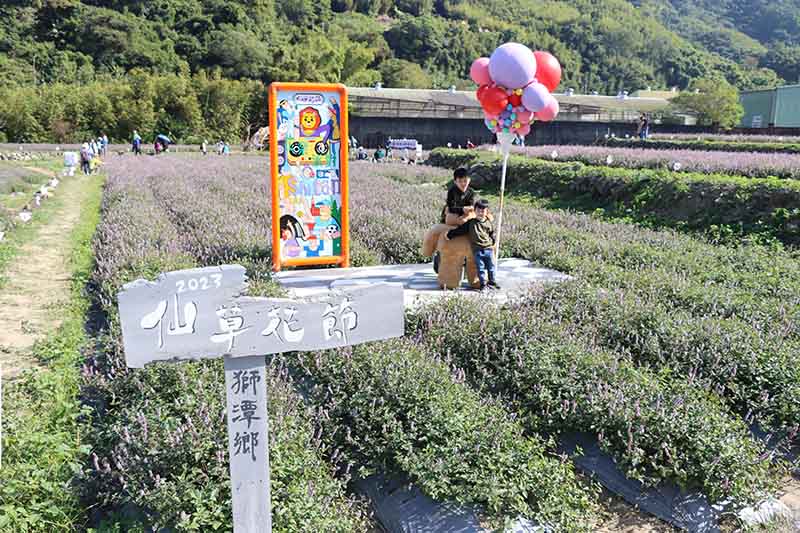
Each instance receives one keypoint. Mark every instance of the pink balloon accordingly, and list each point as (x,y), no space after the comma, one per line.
(524,116)
(490,116)
(479,71)
(524,130)
(549,111)
(512,65)
(534,97)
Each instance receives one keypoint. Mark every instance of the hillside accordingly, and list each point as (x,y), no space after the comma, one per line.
(763,33)
(604,45)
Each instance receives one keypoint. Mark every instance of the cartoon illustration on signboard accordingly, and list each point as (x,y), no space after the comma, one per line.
(309,174)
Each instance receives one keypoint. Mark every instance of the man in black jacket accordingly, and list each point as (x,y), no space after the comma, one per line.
(460,196)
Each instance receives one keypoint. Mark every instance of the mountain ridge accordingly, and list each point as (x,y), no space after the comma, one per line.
(604,45)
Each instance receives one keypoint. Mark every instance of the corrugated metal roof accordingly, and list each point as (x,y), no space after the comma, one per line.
(467,99)
(442,97)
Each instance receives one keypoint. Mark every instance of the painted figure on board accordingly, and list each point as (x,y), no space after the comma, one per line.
(284,112)
(293,248)
(310,121)
(312,247)
(334,133)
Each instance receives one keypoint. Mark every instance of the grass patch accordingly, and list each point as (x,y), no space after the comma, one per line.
(17,233)
(44,428)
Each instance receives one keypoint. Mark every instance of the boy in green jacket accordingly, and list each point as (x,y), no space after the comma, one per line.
(481,234)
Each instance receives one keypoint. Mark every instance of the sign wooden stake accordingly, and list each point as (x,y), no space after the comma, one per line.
(248,434)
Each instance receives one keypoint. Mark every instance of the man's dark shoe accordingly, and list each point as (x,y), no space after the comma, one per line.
(493,284)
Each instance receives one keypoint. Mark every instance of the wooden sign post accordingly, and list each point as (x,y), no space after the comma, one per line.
(199,314)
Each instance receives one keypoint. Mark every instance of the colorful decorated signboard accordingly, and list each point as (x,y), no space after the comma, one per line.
(308,163)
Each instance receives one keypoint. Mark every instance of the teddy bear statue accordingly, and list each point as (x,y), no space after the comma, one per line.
(455,255)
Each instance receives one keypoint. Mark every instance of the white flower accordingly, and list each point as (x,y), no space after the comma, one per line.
(553,155)
(609,160)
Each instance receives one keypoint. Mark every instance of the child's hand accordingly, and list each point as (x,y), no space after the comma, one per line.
(468,209)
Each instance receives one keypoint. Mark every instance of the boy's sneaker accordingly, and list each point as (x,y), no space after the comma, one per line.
(482,287)
(493,284)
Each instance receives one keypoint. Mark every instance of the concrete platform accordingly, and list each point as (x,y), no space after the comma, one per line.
(419,280)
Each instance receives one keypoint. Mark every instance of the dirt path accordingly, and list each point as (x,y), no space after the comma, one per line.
(38,279)
(42,171)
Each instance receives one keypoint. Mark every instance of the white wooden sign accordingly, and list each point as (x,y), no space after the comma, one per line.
(199,314)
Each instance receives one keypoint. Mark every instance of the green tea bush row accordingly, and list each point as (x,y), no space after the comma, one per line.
(757,375)
(707,145)
(655,424)
(392,407)
(767,206)
(758,284)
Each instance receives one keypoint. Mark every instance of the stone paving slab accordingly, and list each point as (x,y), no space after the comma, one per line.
(419,280)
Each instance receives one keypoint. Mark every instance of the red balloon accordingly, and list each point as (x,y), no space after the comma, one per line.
(481,92)
(515,100)
(494,100)
(548,70)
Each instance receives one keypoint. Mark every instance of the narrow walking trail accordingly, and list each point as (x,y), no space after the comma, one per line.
(38,280)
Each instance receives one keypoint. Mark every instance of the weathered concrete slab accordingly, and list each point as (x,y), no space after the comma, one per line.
(418,280)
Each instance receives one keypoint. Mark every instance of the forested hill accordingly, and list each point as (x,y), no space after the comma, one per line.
(762,33)
(604,45)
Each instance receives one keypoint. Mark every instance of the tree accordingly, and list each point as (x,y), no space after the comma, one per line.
(405,74)
(715,101)
(17,116)
(240,54)
(785,60)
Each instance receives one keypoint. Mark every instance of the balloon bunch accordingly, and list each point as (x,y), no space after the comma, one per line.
(514,87)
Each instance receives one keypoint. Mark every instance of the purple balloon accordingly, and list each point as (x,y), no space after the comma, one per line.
(512,65)
(535,97)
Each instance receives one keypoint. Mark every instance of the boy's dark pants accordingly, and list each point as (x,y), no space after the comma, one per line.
(484,260)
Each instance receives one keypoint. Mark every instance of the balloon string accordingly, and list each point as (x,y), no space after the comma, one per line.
(502,197)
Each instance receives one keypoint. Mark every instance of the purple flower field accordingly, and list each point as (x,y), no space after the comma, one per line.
(749,164)
(730,137)
(654,318)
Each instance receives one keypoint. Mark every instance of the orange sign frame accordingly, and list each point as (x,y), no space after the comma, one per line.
(343,260)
